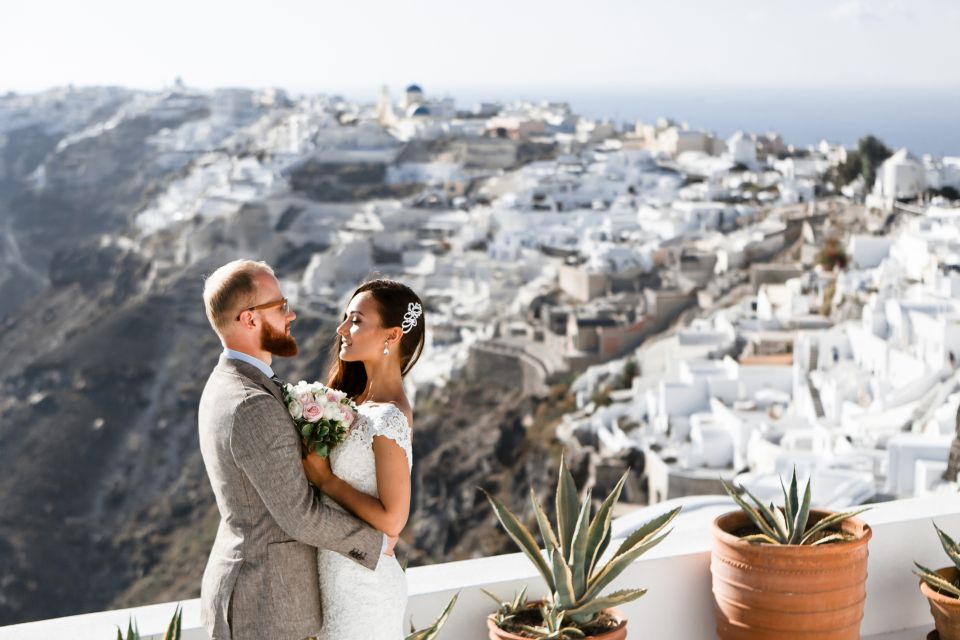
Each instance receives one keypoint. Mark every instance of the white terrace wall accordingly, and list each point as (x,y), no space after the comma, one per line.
(678,605)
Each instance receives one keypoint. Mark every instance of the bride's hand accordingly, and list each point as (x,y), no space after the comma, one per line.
(317,469)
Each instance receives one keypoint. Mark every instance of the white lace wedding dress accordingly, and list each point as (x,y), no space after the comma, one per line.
(360,604)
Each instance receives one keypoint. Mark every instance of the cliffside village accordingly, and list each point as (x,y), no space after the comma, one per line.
(717,308)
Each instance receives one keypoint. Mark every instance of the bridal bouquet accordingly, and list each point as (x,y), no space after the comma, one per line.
(322,415)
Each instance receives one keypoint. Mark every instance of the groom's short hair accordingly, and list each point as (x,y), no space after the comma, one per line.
(229,288)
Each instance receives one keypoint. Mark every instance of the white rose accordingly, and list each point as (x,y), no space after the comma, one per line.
(295,409)
(332,412)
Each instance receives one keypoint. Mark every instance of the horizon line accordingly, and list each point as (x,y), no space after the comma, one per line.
(473,88)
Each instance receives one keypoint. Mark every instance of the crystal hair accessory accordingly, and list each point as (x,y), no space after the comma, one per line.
(414,311)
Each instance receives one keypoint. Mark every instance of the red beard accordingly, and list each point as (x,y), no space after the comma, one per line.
(277,343)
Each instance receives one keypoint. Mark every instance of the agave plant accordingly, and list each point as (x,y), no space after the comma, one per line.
(932,578)
(173,629)
(572,566)
(431,632)
(508,610)
(790,524)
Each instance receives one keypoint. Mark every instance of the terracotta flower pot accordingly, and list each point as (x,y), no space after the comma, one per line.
(945,609)
(619,633)
(788,592)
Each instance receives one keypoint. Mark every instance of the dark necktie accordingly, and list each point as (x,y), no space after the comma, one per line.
(277,381)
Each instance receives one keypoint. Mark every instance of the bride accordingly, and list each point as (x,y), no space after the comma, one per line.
(368,474)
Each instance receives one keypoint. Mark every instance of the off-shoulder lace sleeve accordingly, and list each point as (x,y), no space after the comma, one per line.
(392,423)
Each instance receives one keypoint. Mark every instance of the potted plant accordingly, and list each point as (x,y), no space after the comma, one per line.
(788,572)
(942,590)
(572,568)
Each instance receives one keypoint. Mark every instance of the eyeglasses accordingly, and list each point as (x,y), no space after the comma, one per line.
(282,303)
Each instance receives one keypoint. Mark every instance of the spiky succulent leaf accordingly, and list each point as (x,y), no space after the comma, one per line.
(522,538)
(759,538)
(173,629)
(599,534)
(752,513)
(833,537)
(500,601)
(767,514)
(827,522)
(520,599)
(579,556)
(554,622)
(647,531)
(802,517)
(431,632)
(949,546)
(568,506)
(936,581)
(781,522)
(787,505)
(563,578)
(616,566)
(546,530)
(597,605)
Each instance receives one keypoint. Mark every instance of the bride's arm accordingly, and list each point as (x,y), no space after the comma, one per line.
(390,511)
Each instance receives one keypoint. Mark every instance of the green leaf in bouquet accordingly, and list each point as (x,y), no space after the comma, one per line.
(321,450)
(306,430)
(322,430)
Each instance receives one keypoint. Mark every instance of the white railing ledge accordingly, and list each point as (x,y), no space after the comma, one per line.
(678,606)
(151,621)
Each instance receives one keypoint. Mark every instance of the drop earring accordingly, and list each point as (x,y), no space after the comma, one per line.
(386,348)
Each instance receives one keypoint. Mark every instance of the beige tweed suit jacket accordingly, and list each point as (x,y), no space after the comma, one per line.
(261,578)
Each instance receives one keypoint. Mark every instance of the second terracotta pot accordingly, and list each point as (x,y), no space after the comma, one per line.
(945,609)
(620,633)
(788,592)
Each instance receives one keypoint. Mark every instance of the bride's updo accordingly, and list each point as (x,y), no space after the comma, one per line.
(399,306)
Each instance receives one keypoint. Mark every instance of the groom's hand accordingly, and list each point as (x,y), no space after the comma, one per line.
(391,543)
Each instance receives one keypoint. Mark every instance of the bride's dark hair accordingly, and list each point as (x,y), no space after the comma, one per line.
(393,301)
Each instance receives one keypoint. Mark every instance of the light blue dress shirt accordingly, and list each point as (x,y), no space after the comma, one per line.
(256,362)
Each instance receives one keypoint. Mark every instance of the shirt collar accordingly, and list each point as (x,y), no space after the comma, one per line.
(256,362)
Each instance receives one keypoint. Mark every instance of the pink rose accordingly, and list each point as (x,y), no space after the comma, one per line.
(348,416)
(312,412)
(332,397)
(305,398)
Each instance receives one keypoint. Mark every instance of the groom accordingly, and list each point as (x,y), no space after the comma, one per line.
(261,578)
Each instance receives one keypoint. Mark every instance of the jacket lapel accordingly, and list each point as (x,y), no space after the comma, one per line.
(251,373)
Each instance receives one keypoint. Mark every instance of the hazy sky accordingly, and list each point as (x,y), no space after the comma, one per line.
(346,45)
